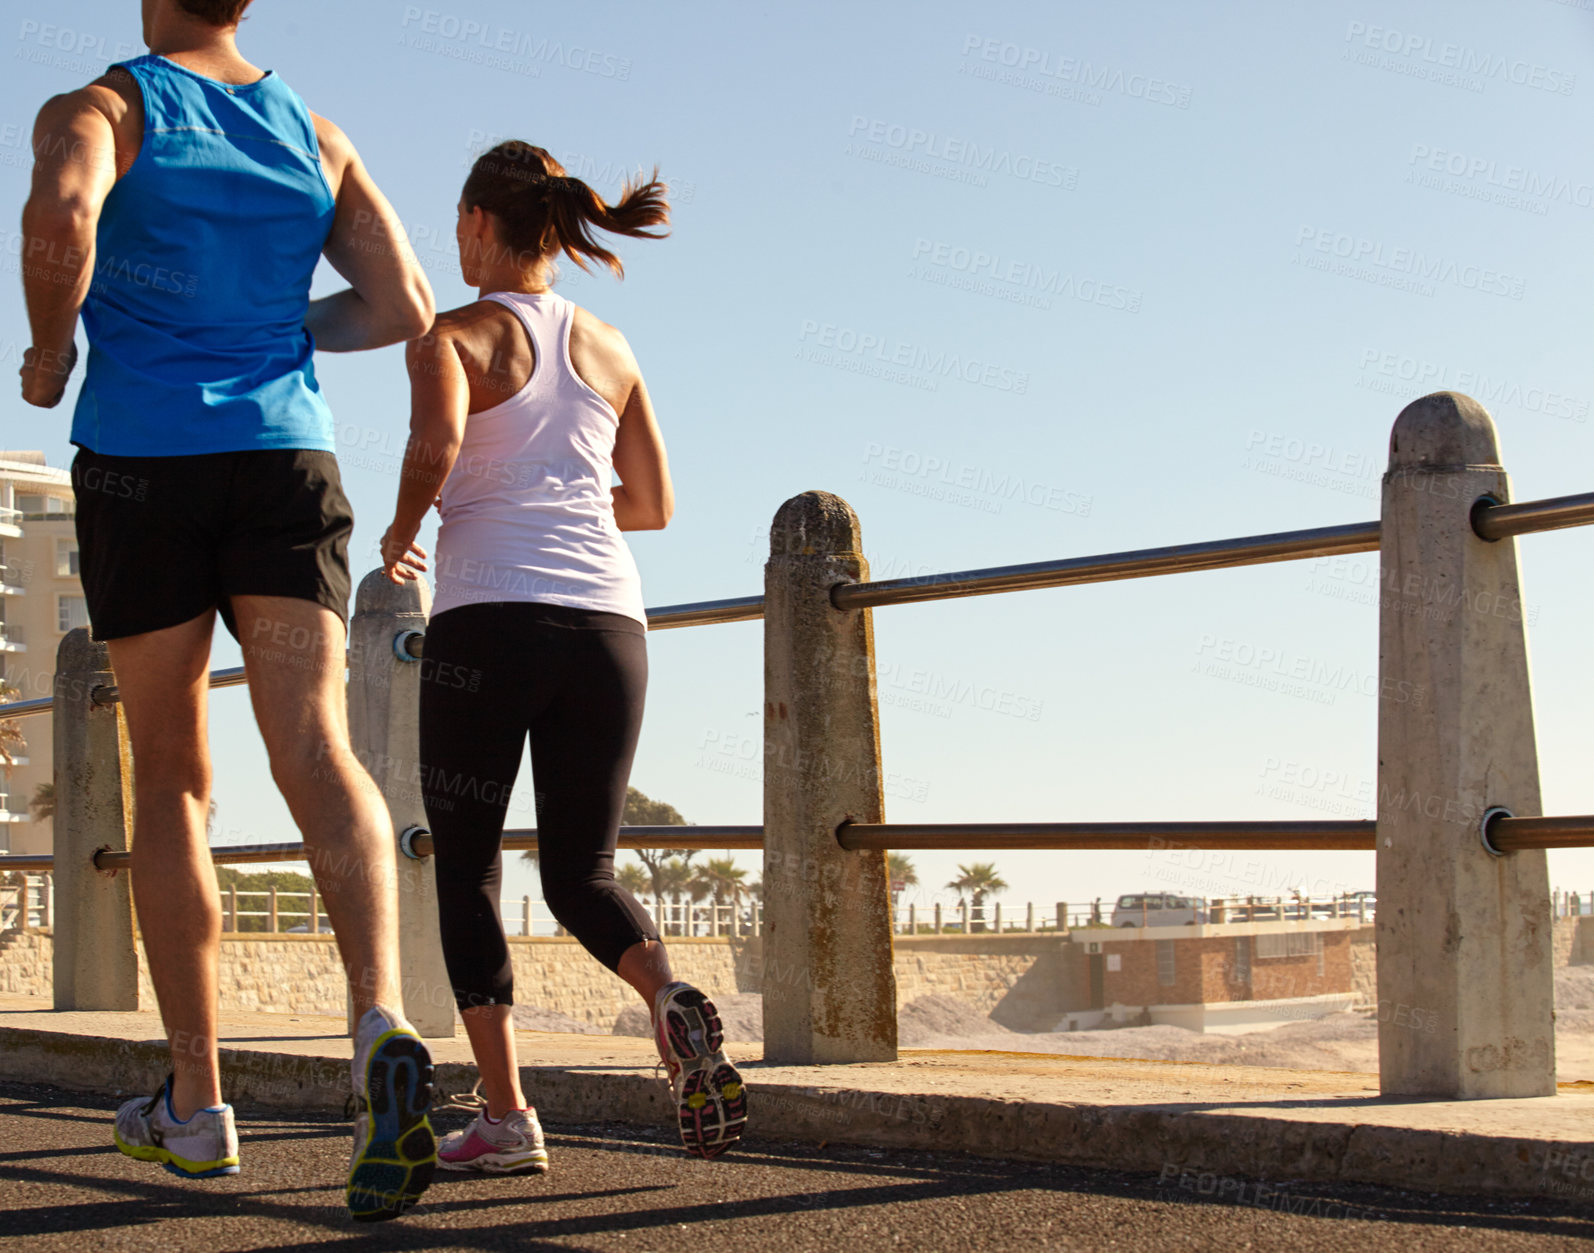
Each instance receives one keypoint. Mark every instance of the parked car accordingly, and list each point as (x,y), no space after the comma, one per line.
(1158,909)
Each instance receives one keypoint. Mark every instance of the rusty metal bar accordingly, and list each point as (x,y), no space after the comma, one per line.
(630,837)
(706,613)
(1508,835)
(1359,537)
(1499,521)
(982,836)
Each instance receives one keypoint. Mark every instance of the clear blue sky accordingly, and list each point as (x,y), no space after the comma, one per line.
(1129,277)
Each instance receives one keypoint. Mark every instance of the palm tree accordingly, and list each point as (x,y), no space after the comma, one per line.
(721,878)
(642,810)
(43,802)
(899,869)
(634,879)
(672,880)
(979,879)
(12,745)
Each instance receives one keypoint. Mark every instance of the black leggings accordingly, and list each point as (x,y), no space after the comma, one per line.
(575,681)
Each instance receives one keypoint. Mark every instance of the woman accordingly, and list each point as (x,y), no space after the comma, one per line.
(522,405)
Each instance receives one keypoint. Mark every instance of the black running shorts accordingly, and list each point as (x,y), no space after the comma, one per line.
(162,539)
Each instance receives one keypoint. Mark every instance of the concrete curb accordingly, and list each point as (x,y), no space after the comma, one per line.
(1168,1139)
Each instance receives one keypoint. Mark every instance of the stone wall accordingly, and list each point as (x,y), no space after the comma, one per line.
(25,963)
(1364,966)
(1024,981)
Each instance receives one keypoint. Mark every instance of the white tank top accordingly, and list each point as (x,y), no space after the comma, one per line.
(527,510)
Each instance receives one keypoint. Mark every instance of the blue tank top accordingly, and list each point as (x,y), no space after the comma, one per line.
(204,254)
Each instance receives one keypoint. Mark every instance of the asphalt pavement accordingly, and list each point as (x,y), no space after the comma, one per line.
(63,1185)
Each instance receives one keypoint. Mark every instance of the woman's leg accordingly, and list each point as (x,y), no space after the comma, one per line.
(476,690)
(582,745)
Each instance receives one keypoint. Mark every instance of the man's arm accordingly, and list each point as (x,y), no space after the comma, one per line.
(74,170)
(388,299)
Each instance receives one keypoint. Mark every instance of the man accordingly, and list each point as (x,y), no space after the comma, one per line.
(181,203)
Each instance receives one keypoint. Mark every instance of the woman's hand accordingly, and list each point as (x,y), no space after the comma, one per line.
(402,559)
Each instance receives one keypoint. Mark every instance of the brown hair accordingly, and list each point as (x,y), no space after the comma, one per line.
(541,210)
(216,12)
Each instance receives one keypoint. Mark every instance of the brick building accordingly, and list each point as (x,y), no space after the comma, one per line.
(1210,978)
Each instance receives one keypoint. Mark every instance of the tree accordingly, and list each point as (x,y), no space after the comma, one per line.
(633,879)
(673,880)
(292,911)
(12,745)
(979,879)
(43,802)
(899,869)
(642,810)
(722,879)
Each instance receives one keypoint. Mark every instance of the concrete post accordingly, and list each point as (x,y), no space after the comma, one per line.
(998,917)
(525,915)
(827,945)
(272,909)
(384,725)
(313,922)
(938,917)
(95,962)
(913,920)
(1029,916)
(1463,936)
(963,916)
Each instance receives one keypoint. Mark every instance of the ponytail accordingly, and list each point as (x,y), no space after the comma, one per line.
(542,210)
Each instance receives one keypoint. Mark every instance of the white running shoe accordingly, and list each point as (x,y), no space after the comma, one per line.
(511,1146)
(394,1149)
(204,1146)
(710,1099)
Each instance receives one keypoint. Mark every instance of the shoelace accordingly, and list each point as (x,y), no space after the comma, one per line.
(471,1102)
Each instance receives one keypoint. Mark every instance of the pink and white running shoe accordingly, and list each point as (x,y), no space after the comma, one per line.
(511,1146)
(710,1099)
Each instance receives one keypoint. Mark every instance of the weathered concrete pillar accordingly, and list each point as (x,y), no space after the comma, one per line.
(95,962)
(1465,986)
(830,994)
(384,725)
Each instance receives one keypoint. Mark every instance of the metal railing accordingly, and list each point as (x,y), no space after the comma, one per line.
(835,660)
(1504,833)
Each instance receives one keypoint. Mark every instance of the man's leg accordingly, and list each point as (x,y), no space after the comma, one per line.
(294,655)
(163,680)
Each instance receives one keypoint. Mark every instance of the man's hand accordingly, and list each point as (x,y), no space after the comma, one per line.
(402,559)
(45,373)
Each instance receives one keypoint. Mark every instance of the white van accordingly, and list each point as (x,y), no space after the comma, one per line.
(1158,909)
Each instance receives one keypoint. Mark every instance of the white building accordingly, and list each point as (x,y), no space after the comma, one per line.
(41,599)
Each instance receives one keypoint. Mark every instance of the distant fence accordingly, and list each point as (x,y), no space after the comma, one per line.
(1464,900)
